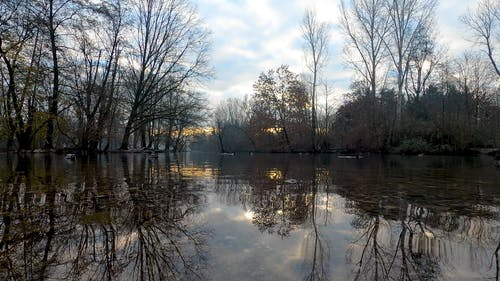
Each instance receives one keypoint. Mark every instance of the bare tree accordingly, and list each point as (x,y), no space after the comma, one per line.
(54,16)
(476,82)
(19,71)
(424,58)
(366,23)
(484,23)
(96,71)
(12,39)
(190,111)
(407,17)
(316,38)
(169,53)
(325,117)
(223,114)
(232,114)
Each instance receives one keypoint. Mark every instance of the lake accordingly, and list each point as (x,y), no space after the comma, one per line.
(201,216)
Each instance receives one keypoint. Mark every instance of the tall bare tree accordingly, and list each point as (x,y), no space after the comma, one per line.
(19,71)
(366,23)
(169,53)
(484,22)
(316,37)
(96,70)
(54,16)
(425,56)
(407,18)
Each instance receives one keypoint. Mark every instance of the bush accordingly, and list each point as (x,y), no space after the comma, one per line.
(413,146)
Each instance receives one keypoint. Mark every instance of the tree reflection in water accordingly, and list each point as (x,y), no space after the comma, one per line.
(279,204)
(497,250)
(133,218)
(404,235)
(320,250)
(406,228)
(82,223)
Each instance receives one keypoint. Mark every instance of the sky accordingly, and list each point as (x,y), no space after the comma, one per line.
(252,36)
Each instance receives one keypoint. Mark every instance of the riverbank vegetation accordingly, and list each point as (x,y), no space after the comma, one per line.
(105,75)
(408,94)
(99,75)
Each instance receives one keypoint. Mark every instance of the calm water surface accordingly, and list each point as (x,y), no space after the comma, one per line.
(249,217)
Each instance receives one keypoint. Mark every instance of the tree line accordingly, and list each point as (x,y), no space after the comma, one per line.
(95,75)
(110,74)
(408,94)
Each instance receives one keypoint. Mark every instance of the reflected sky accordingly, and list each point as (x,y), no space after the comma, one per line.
(205,216)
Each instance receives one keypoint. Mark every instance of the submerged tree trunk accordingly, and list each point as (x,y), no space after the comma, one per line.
(128,130)
(126,136)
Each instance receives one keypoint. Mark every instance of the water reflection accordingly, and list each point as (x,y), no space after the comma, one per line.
(260,217)
(424,230)
(404,225)
(97,219)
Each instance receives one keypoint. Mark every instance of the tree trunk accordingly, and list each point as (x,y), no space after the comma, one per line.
(219,137)
(168,137)
(313,110)
(126,136)
(143,137)
(287,139)
(128,129)
(54,99)
(24,139)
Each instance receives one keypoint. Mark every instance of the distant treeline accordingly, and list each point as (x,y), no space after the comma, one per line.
(408,94)
(448,117)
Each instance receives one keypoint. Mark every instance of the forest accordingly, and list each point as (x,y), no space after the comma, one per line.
(109,75)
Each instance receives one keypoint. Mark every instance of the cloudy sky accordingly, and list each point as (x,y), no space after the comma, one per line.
(251,36)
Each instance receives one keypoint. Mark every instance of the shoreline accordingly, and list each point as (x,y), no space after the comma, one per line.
(339,152)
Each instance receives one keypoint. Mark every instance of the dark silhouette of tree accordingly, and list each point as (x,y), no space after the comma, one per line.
(316,37)
(423,61)
(231,119)
(96,72)
(406,20)
(54,18)
(169,52)
(279,118)
(484,22)
(366,23)
(21,72)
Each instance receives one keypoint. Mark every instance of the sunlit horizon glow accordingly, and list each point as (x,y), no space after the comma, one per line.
(249,215)
(252,36)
